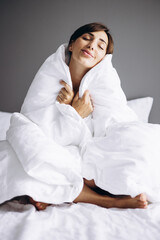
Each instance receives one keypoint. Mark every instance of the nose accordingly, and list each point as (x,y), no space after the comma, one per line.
(91,45)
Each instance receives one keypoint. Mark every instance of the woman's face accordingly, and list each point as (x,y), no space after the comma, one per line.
(89,49)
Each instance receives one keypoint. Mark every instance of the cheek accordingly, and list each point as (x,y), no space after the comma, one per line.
(78,43)
(74,51)
(101,56)
(77,47)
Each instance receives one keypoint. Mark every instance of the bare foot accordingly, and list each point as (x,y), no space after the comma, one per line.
(139,201)
(38,205)
(124,201)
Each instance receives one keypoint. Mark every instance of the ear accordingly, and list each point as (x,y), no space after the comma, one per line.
(70,47)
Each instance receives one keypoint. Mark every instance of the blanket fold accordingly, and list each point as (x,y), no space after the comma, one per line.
(43,159)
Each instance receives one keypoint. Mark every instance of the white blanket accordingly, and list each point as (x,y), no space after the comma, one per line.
(52,148)
(126,161)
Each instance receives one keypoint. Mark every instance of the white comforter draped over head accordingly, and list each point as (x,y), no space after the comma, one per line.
(53,148)
(103,83)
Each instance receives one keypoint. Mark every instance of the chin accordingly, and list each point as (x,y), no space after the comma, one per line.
(87,64)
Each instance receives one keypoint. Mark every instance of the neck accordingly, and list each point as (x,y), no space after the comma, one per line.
(77,72)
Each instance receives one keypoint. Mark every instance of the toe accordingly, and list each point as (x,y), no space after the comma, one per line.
(143,197)
(143,204)
(41,206)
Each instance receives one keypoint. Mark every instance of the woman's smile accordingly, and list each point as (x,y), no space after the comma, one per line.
(87,53)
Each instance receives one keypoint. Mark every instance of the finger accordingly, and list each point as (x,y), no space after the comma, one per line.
(67,87)
(86,93)
(59,99)
(91,101)
(91,107)
(76,97)
(86,96)
(90,97)
(63,93)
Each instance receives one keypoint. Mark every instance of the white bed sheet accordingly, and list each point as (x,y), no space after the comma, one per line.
(78,221)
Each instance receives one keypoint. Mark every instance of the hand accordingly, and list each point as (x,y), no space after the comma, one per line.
(84,105)
(66,94)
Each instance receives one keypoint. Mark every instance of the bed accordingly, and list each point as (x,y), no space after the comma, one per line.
(21,221)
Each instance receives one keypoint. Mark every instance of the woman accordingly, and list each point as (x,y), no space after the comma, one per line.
(88,46)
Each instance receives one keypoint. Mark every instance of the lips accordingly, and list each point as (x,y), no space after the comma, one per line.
(87,52)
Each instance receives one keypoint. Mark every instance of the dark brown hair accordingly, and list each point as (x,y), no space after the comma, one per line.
(93,27)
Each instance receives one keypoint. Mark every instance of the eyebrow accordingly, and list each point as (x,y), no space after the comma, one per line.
(99,39)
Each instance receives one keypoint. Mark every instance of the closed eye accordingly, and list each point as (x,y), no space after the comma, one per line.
(101,48)
(85,38)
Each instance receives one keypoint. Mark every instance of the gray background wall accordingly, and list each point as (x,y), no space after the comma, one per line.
(31,30)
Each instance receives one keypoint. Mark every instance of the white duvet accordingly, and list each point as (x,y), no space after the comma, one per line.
(50,148)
